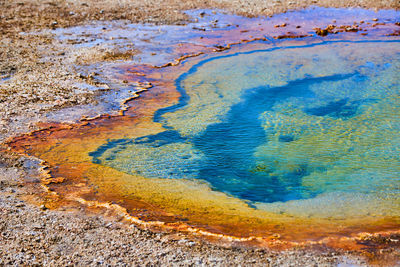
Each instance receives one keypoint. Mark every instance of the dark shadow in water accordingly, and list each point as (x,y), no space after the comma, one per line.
(229,146)
(336,109)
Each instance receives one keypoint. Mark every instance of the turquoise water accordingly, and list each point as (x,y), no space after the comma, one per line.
(279,124)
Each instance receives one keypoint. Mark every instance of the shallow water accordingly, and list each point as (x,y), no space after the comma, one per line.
(270,140)
(280,124)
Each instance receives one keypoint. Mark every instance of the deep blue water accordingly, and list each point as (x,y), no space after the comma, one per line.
(229,146)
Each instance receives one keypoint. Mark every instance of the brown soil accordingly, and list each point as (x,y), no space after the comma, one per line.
(43,79)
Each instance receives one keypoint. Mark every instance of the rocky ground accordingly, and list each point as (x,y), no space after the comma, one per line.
(33,235)
(36,78)
(30,85)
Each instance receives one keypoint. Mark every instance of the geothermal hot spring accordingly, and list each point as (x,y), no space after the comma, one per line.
(273,140)
(318,121)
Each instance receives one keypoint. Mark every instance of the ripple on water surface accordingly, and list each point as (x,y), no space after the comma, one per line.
(306,130)
(275,141)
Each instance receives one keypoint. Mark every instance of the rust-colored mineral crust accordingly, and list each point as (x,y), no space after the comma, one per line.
(70,175)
